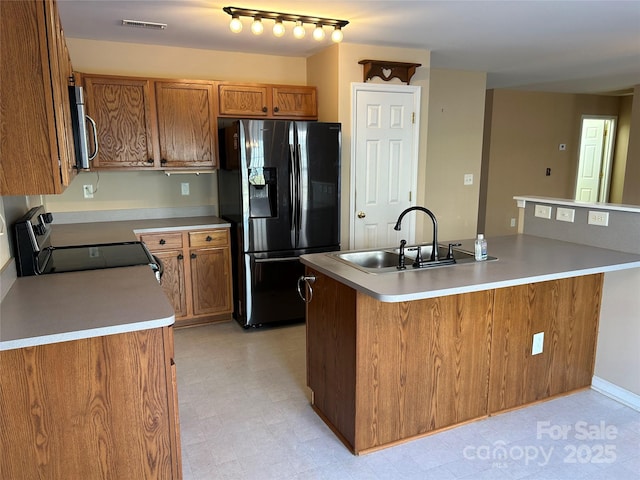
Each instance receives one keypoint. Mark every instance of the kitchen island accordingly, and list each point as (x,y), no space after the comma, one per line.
(396,356)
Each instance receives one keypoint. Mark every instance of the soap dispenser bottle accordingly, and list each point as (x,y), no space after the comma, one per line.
(481,248)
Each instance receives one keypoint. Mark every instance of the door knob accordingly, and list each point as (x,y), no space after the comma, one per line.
(361,214)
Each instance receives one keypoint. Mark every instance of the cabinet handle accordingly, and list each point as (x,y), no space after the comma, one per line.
(276,109)
(180,256)
(150,160)
(208,239)
(193,255)
(264,109)
(163,161)
(162,241)
(308,280)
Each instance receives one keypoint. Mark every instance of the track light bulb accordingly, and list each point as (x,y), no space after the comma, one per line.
(337,35)
(278,28)
(235,25)
(298,30)
(256,27)
(318,32)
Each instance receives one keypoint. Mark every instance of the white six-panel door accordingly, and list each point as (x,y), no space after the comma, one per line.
(384,163)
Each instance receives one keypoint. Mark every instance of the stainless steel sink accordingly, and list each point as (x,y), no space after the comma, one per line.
(387,260)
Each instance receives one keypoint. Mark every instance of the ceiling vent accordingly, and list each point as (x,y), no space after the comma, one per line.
(143,24)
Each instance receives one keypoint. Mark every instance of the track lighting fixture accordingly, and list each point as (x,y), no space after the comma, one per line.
(258,16)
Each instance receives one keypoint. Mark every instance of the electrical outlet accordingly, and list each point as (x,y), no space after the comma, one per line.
(513,222)
(543,211)
(598,218)
(87,190)
(538,343)
(565,214)
(468,178)
(184,188)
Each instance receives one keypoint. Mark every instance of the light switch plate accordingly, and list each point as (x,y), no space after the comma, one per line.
(565,214)
(468,178)
(184,188)
(598,218)
(543,211)
(538,343)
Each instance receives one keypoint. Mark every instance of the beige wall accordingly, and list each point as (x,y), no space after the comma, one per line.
(631,194)
(617,357)
(322,71)
(623,129)
(132,190)
(526,129)
(454,148)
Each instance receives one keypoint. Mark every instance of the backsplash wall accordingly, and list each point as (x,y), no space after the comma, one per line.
(135,190)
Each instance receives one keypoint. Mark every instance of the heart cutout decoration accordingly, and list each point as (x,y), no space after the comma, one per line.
(386,72)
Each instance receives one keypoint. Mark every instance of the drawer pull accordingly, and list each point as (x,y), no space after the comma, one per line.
(162,241)
(208,239)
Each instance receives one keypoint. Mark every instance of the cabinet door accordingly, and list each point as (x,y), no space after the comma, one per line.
(173,280)
(295,102)
(211,280)
(243,100)
(35,121)
(186,124)
(124,114)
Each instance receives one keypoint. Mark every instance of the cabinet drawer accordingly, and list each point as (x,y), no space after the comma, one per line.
(208,238)
(162,241)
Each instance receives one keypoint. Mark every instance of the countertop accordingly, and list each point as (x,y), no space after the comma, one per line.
(522,259)
(126,230)
(54,308)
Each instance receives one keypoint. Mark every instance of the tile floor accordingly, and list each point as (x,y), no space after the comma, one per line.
(245,414)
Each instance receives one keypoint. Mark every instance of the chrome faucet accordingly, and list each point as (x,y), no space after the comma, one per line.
(434,248)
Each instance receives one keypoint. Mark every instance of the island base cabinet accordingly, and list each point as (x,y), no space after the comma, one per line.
(567,312)
(98,408)
(382,373)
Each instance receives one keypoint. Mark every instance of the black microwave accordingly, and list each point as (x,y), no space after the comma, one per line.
(80,120)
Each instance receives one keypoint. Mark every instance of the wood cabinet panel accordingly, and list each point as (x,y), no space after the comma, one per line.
(267,101)
(37,141)
(173,280)
(423,365)
(211,280)
(124,113)
(567,311)
(210,238)
(295,102)
(94,408)
(186,124)
(162,241)
(197,272)
(331,354)
(243,100)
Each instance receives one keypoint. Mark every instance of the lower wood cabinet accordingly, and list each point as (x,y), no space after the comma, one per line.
(98,408)
(383,373)
(197,273)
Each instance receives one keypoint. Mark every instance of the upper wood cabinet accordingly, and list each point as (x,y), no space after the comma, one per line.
(152,124)
(186,124)
(268,101)
(37,154)
(124,112)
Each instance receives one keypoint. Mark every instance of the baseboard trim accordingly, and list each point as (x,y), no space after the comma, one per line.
(615,392)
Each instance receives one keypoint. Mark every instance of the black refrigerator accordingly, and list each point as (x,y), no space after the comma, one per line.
(279,187)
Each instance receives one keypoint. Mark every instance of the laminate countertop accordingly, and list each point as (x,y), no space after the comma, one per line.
(521,259)
(60,307)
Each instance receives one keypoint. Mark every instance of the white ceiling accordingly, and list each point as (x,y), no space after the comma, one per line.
(571,46)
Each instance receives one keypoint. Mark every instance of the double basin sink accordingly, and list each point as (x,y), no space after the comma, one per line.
(387,260)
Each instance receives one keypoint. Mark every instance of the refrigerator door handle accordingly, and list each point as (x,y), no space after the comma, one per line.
(298,194)
(293,205)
